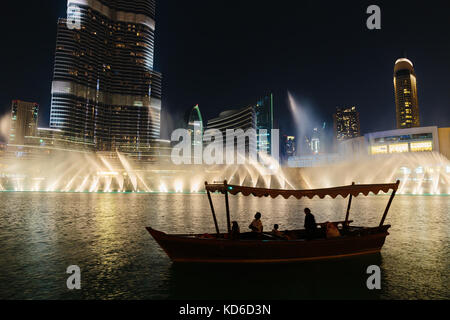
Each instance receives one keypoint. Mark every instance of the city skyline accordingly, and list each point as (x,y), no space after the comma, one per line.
(150,147)
(433,98)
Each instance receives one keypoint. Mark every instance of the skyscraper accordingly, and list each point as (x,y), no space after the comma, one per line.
(406,101)
(24,121)
(315,141)
(258,117)
(288,147)
(194,123)
(346,123)
(104,89)
(264,121)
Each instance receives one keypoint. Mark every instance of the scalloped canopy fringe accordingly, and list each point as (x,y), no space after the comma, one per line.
(354,190)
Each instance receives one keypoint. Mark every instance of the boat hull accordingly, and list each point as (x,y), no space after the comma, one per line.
(196,250)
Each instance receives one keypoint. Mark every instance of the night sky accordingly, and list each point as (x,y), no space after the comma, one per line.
(225,54)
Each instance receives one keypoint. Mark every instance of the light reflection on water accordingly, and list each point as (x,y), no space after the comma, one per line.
(42,234)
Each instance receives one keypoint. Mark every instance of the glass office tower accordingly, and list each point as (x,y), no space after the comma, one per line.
(264,123)
(24,121)
(104,89)
(346,123)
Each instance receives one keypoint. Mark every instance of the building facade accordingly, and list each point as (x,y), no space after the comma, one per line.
(422,139)
(346,123)
(406,100)
(264,123)
(288,147)
(24,121)
(195,126)
(194,122)
(412,140)
(104,89)
(444,141)
(313,160)
(258,117)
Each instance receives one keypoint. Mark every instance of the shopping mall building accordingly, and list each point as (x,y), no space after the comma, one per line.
(421,139)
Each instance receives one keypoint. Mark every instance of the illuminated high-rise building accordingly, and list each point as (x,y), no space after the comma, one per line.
(264,123)
(346,123)
(194,122)
(104,89)
(315,141)
(406,101)
(288,147)
(24,121)
(241,119)
(257,117)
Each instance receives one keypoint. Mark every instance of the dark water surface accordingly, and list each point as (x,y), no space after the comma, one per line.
(42,234)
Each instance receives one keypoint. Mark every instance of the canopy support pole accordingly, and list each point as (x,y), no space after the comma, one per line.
(389,204)
(388,207)
(212,209)
(227,205)
(348,208)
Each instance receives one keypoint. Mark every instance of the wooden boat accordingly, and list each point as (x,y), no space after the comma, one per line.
(266,248)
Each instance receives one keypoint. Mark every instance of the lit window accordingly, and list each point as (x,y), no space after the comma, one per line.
(380,149)
(398,148)
(422,146)
(405,170)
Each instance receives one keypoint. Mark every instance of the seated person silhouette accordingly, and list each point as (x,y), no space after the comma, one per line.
(257,227)
(235,231)
(332,231)
(277,233)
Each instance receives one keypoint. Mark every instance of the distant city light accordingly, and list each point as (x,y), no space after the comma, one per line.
(108,173)
(405,170)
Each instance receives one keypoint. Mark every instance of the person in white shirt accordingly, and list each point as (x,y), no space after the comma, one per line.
(332,231)
(256,225)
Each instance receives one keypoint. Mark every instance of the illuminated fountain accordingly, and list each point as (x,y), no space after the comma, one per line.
(112,173)
(422,173)
(419,172)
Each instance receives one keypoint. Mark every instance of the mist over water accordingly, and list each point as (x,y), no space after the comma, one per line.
(65,171)
(419,173)
(304,122)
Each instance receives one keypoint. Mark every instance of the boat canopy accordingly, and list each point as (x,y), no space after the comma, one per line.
(353,190)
